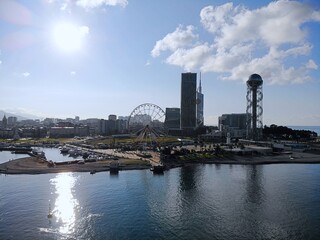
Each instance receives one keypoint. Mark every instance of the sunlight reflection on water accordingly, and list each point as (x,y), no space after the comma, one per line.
(65,203)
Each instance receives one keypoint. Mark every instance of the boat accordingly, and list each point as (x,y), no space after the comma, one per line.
(64,150)
(38,153)
(92,158)
(75,152)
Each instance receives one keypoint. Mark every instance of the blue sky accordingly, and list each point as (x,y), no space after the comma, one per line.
(92,58)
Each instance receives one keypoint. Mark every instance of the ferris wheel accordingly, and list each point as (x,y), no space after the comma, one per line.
(147,121)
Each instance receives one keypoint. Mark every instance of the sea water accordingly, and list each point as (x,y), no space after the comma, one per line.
(50,153)
(198,202)
(315,129)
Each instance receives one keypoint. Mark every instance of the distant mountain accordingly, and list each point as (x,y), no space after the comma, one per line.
(20,116)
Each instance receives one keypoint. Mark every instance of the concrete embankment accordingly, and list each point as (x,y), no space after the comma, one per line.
(33,165)
(296,158)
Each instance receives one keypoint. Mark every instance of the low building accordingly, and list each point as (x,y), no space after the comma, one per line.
(250,150)
(32,132)
(61,132)
(289,146)
(81,131)
(235,124)
(6,133)
(29,123)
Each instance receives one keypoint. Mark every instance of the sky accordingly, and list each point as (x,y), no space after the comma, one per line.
(92,58)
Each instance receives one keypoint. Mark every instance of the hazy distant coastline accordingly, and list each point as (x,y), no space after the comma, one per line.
(310,128)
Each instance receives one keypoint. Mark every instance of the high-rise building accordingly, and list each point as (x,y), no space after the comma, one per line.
(76,119)
(172,120)
(200,104)
(12,121)
(254,107)
(188,107)
(112,117)
(4,122)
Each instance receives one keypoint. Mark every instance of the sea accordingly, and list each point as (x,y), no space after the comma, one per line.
(205,201)
(50,153)
(315,129)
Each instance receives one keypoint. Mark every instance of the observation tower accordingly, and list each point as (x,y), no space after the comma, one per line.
(254,107)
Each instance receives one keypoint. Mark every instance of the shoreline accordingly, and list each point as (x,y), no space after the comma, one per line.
(34,165)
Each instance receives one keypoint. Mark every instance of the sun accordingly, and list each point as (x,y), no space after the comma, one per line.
(69,37)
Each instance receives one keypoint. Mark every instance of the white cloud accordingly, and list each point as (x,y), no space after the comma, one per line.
(99,3)
(148,63)
(222,60)
(277,23)
(0,62)
(26,74)
(177,39)
(311,65)
(190,58)
(84,30)
(65,5)
(214,18)
(270,40)
(72,73)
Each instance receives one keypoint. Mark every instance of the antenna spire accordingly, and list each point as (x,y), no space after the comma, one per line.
(200,88)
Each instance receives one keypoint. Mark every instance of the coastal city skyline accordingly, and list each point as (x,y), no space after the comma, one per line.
(62,59)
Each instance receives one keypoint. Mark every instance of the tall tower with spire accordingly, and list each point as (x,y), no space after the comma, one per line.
(254,107)
(200,104)
(4,122)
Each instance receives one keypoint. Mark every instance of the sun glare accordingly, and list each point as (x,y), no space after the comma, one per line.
(69,37)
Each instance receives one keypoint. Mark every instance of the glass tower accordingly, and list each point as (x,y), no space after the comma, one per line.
(188,120)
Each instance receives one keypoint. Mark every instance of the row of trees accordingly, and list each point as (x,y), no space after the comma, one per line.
(282,132)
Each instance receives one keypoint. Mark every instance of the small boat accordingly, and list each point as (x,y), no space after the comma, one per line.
(93,172)
(64,150)
(50,213)
(38,153)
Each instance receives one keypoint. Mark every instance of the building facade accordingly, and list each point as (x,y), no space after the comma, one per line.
(200,105)
(188,108)
(12,121)
(112,117)
(235,124)
(172,120)
(4,122)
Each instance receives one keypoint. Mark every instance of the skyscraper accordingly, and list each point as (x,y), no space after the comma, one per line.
(4,122)
(188,101)
(172,120)
(200,102)
(254,107)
